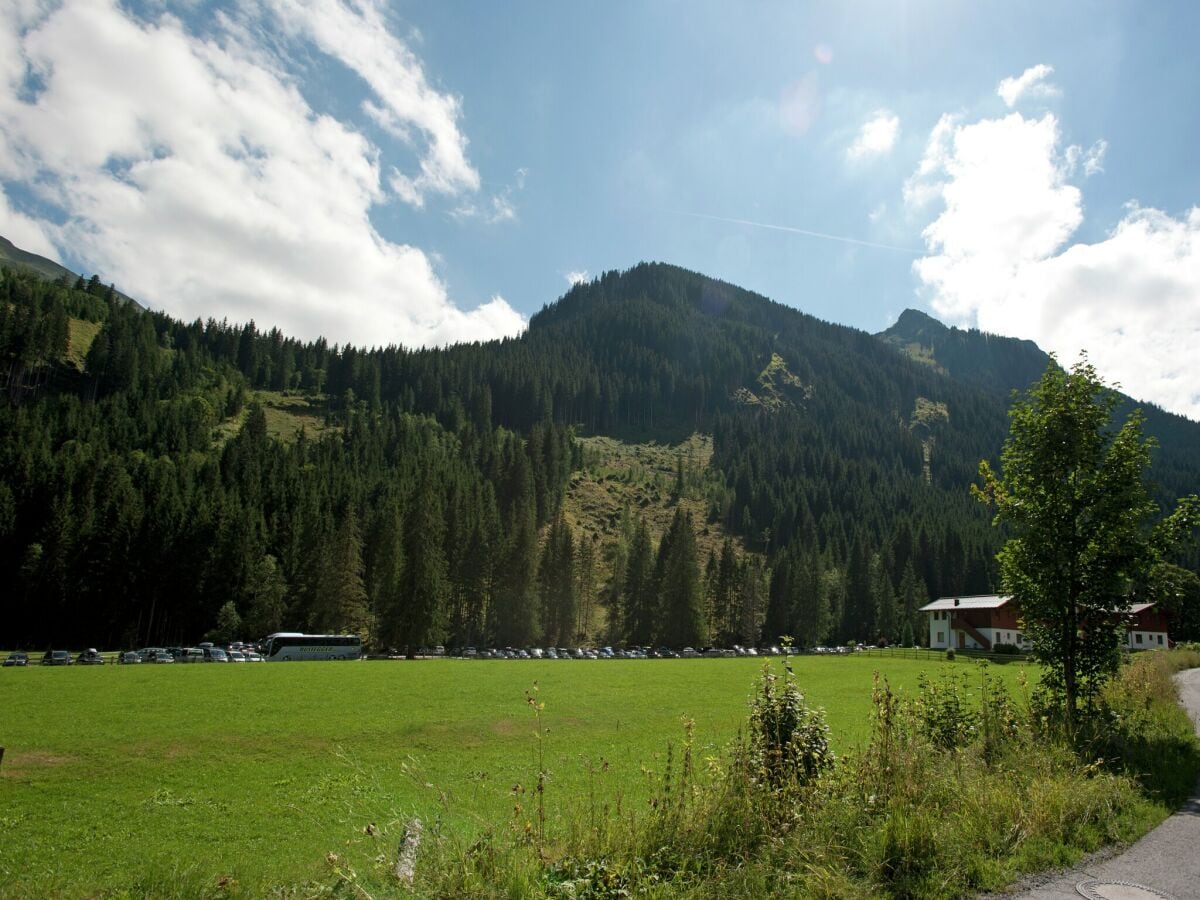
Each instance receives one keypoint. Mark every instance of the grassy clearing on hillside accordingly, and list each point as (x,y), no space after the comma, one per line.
(164,780)
(80,334)
(641,478)
(287,414)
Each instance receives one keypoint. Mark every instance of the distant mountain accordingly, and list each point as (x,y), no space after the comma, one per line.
(970,356)
(14,256)
(1004,365)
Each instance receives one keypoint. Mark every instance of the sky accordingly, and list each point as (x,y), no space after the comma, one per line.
(425,173)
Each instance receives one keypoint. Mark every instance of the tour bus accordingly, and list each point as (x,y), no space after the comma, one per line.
(290,645)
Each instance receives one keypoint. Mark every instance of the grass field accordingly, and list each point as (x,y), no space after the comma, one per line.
(156,779)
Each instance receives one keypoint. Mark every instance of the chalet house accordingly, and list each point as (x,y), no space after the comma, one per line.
(1147,628)
(973,623)
(979,623)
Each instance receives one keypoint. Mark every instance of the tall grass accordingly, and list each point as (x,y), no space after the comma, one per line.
(959,789)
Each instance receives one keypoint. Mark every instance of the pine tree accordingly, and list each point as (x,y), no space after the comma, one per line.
(341,605)
(266,593)
(639,598)
(424,583)
(682,621)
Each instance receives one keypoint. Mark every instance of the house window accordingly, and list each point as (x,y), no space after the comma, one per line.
(1160,638)
(940,637)
(1138,638)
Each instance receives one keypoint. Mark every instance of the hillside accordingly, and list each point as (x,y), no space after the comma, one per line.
(13,256)
(177,475)
(1002,365)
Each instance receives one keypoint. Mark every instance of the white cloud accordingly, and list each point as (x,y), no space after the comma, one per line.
(359,38)
(877,136)
(579,276)
(192,171)
(1093,160)
(999,257)
(876,215)
(1030,83)
(27,233)
(499,207)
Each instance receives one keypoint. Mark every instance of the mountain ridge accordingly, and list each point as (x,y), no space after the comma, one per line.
(120,477)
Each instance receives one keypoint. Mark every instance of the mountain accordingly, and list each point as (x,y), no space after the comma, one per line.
(971,356)
(1003,365)
(185,474)
(14,257)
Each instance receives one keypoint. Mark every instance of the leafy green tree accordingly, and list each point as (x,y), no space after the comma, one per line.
(1079,513)
(229,624)
(267,591)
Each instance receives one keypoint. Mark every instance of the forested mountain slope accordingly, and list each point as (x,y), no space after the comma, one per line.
(1003,365)
(141,503)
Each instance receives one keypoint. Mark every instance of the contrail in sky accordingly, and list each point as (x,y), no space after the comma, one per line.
(815,234)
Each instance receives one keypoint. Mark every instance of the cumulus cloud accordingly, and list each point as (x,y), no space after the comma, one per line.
(24,231)
(999,256)
(1030,83)
(877,136)
(404,103)
(191,169)
(578,276)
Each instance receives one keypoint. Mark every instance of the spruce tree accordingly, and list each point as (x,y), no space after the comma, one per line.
(682,621)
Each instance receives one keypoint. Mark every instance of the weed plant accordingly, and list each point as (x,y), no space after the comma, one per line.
(958,790)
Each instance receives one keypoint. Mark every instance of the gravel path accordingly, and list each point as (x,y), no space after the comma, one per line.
(1167,860)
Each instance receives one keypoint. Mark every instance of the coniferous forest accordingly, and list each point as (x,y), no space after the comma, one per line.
(146,498)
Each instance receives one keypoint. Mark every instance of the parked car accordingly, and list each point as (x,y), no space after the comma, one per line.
(214,654)
(17,659)
(57,658)
(236,656)
(129,657)
(253,656)
(162,656)
(190,655)
(90,657)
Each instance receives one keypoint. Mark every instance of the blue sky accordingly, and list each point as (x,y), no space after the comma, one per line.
(424,173)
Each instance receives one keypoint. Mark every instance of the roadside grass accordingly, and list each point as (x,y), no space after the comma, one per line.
(238,780)
(947,799)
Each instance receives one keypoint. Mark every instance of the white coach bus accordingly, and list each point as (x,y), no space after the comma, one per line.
(284,646)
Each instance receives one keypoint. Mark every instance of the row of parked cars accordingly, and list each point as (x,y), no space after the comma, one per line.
(622,653)
(204,652)
(89,657)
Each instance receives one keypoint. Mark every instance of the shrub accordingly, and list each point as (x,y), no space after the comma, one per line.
(945,715)
(1006,649)
(789,740)
(950,653)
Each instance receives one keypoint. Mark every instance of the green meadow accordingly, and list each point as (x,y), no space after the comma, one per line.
(160,779)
